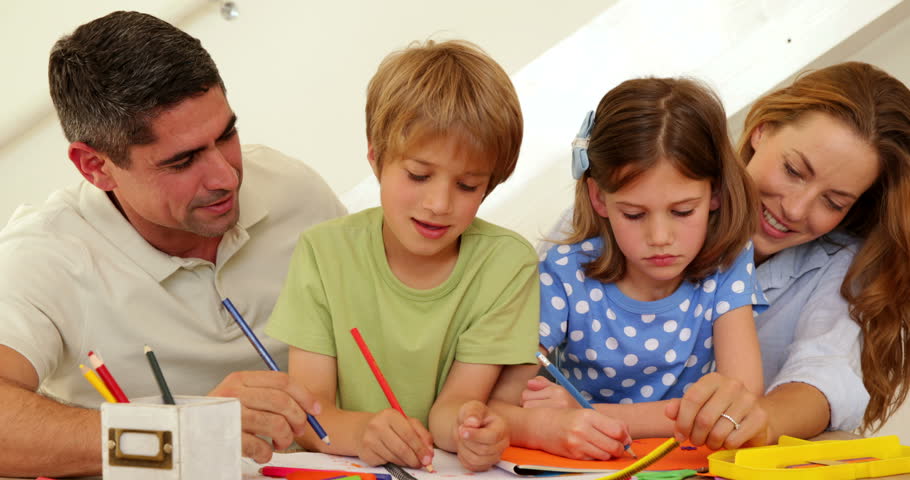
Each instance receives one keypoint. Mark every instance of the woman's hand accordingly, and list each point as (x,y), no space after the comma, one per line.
(701,414)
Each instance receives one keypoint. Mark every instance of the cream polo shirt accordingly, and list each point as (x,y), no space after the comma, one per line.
(75,276)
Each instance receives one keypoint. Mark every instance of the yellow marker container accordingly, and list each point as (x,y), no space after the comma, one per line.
(831,459)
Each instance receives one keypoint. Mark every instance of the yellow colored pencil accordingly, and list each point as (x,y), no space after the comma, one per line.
(96,382)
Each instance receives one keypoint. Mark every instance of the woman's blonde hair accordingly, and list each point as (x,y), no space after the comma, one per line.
(643,121)
(877,285)
(440,89)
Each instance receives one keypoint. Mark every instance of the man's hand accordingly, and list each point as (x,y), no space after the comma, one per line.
(272,406)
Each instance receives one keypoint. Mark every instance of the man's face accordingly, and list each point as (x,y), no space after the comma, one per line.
(188,180)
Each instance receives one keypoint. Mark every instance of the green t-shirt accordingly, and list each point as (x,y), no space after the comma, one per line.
(486,312)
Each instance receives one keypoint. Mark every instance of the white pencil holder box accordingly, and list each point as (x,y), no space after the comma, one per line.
(197,438)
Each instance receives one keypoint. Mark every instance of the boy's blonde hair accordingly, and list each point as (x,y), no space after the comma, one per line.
(446,88)
(642,122)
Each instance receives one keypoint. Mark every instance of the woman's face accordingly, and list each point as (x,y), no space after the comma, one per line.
(808,173)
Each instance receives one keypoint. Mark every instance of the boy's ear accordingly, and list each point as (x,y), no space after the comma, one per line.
(371,156)
(597,198)
(93,165)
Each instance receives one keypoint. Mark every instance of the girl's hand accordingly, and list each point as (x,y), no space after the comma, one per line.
(698,414)
(391,437)
(542,393)
(582,434)
(481,436)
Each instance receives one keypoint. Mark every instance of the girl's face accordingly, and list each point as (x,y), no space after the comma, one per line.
(808,173)
(659,221)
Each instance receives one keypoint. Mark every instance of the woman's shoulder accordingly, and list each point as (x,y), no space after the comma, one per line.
(834,251)
(835,248)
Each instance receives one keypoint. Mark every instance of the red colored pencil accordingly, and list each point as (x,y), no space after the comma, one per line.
(365,350)
(106,377)
(313,474)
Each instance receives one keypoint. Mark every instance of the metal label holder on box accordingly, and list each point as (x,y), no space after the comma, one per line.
(199,437)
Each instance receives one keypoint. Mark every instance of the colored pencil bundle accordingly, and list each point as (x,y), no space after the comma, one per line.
(107,386)
(106,377)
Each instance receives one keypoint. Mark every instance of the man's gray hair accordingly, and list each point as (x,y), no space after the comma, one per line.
(113,75)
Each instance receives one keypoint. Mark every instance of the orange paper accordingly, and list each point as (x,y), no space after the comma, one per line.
(532,462)
(303,474)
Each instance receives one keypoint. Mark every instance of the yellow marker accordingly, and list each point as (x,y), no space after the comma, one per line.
(96,382)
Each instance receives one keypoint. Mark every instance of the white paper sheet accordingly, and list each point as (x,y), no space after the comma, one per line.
(446,464)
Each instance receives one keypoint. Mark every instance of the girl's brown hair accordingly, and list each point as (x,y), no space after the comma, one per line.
(642,122)
(877,285)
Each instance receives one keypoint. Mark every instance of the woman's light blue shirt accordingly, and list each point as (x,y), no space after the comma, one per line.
(807,334)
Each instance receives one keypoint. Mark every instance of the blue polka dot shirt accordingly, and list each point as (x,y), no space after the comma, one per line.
(619,350)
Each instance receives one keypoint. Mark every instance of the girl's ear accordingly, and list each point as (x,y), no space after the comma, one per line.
(715,200)
(597,197)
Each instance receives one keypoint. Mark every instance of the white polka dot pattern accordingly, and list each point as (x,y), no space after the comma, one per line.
(616,349)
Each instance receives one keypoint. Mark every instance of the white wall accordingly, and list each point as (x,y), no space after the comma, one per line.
(296,72)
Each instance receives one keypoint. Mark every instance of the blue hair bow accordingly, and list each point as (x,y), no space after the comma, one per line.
(580,161)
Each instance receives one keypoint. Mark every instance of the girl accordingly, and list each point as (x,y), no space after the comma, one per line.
(655,284)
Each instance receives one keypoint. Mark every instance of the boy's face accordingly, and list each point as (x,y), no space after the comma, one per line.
(429,196)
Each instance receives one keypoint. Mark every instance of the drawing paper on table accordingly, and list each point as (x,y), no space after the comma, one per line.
(522,461)
(446,464)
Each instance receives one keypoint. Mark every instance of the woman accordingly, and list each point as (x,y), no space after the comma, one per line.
(830,156)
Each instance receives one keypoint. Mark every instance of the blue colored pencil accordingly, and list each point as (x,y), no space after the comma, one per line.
(571,389)
(269,361)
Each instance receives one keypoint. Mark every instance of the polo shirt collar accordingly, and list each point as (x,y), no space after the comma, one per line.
(100,211)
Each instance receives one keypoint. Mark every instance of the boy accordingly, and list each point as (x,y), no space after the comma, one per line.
(442,299)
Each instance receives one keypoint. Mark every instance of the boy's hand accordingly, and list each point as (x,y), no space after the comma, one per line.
(480,436)
(582,434)
(542,393)
(391,437)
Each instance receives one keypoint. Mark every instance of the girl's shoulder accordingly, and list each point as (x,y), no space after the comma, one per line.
(573,253)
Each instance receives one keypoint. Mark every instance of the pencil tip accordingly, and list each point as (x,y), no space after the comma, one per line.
(430,468)
(147,349)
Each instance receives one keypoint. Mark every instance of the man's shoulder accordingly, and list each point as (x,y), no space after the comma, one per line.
(54,231)
(287,187)
(52,218)
(275,166)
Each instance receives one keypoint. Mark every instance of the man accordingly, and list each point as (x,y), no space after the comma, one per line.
(144,250)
